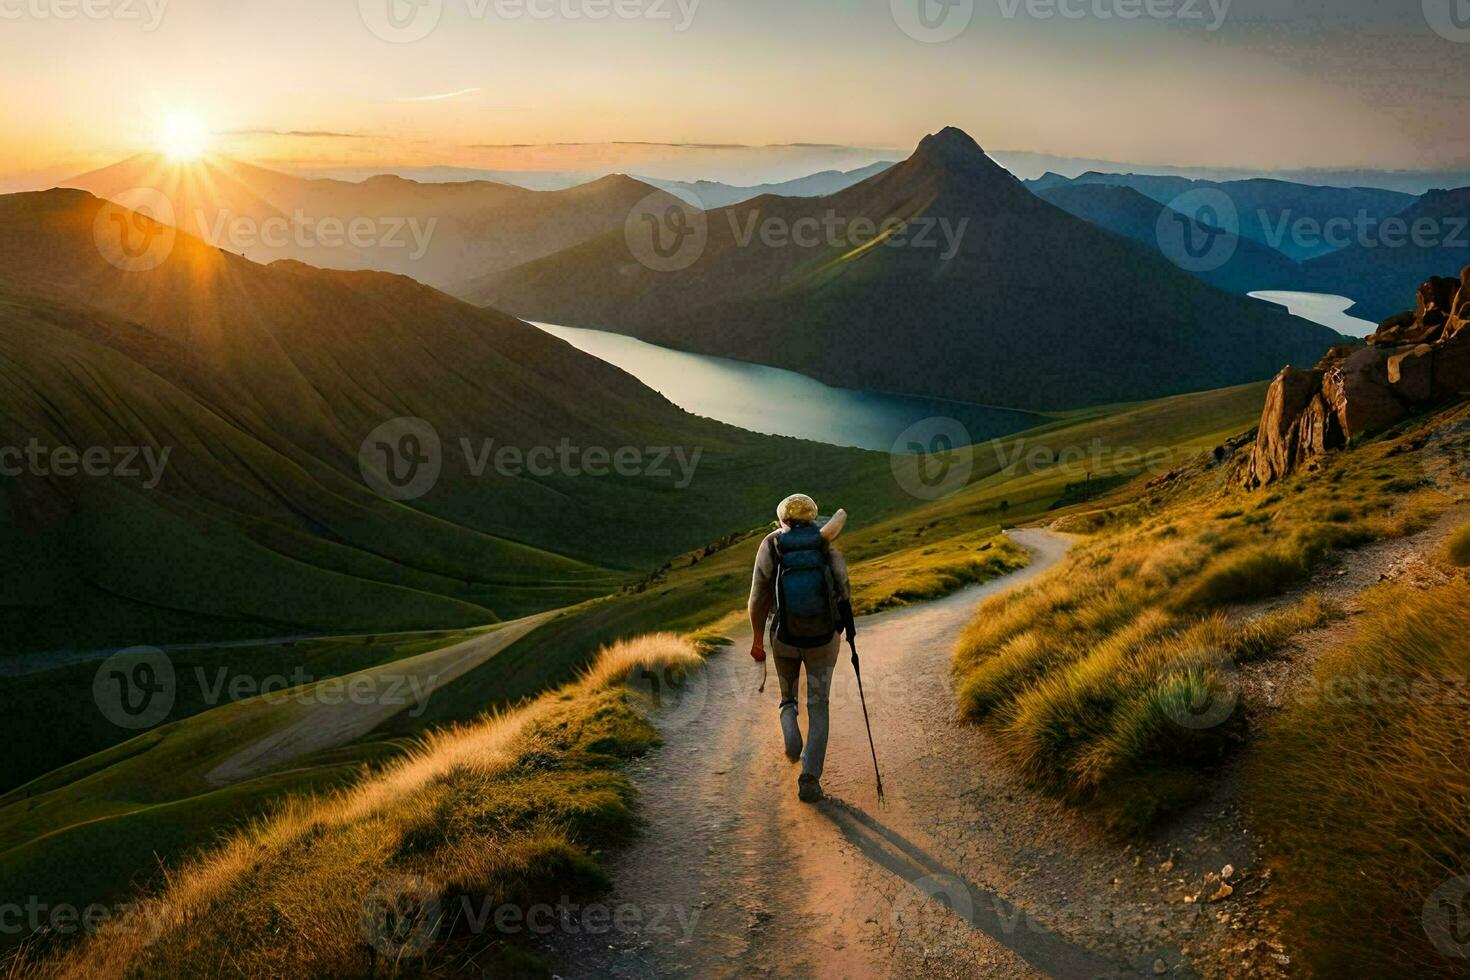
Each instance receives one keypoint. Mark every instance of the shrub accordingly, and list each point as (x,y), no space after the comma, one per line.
(1458,548)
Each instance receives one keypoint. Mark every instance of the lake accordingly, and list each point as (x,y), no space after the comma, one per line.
(1330,311)
(778,402)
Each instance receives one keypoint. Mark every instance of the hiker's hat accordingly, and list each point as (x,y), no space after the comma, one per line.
(797,507)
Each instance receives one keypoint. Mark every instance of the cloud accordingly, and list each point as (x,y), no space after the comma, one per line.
(440,97)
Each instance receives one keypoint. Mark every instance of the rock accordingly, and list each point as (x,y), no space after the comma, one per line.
(1160,967)
(1411,375)
(1222,893)
(1227,872)
(1412,362)
(1358,392)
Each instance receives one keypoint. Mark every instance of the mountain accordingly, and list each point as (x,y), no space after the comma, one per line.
(1427,238)
(442,234)
(1124,211)
(1268,210)
(261,390)
(713,194)
(986,293)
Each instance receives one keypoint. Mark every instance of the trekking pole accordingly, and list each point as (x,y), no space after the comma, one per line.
(858,671)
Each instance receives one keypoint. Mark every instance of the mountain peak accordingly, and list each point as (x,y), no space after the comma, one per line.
(952,147)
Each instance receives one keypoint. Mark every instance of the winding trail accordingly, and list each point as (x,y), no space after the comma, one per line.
(960,873)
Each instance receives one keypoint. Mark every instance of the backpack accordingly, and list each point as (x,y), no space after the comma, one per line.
(807,614)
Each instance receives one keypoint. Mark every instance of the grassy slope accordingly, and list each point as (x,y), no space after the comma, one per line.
(263,383)
(1102,678)
(504,811)
(118,794)
(1364,791)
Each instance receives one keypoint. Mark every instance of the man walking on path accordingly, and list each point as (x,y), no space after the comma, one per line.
(802,579)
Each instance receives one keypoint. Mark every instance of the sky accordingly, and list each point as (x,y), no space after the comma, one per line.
(1256,84)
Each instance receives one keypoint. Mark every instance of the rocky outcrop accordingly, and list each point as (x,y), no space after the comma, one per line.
(1414,361)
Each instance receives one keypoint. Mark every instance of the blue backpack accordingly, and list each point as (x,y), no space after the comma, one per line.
(807,613)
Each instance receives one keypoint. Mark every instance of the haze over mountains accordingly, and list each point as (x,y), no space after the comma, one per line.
(442,234)
(991,295)
(261,385)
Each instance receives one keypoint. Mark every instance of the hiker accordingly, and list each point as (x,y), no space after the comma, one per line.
(802,579)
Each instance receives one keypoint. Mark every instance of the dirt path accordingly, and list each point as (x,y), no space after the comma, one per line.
(313,724)
(961,873)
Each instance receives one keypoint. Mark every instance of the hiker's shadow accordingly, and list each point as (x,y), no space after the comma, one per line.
(927,879)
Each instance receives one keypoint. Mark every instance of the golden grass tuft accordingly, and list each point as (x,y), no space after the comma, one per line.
(502,810)
(1457,549)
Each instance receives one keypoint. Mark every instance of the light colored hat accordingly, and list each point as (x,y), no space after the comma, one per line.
(800,507)
(797,507)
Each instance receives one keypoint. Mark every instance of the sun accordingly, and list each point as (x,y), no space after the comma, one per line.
(184,137)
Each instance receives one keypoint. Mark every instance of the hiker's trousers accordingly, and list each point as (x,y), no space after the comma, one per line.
(819,662)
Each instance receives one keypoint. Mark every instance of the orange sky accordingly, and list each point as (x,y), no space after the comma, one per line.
(1265,90)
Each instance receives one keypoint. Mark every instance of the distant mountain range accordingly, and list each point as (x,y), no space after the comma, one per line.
(1266,210)
(973,289)
(1250,267)
(265,386)
(442,234)
(1432,235)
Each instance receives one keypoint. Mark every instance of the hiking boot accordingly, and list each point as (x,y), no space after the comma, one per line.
(808,788)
